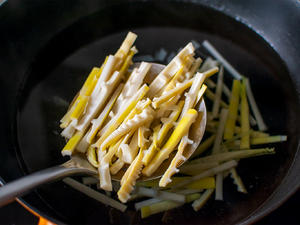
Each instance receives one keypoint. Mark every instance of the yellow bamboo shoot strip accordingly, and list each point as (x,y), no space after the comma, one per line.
(133,174)
(204,183)
(128,61)
(204,146)
(86,90)
(138,120)
(238,181)
(171,93)
(72,143)
(80,107)
(267,140)
(92,156)
(199,203)
(163,195)
(129,151)
(180,130)
(172,169)
(169,71)
(218,94)
(172,83)
(119,118)
(169,123)
(98,100)
(245,124)
(233,110)
(126,45)
(187,62)
(207,173)
(151,151)
(220,131)
(97,123)
(200,94)
(165,205)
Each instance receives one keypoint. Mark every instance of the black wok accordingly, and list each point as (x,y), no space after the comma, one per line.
(47,47)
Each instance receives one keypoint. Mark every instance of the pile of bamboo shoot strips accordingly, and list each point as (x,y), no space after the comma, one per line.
(122,122)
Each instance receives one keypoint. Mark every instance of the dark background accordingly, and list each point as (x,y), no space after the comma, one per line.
(287,214)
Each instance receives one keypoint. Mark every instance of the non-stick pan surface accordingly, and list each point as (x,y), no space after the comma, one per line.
(47,48)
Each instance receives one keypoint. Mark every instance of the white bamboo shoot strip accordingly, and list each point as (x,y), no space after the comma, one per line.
(89,180)
(83,145)
(119,118)
(226,156)
(218,94)
(208,64)
(132,124)
(219,187)
(133,173)
(180,87)
(169,71)
(97,100)
(98,122)
(194,68)
(95,194)
(267,140)
(172,169)
(245,124)
(132,85)
(191,95)
(207,173)
(222,60)
(129,151)
(180,130)
(238,181)
(199,203)
(116,166)
(220,131)
(260,122)
(162,195)
(69,131)
(103,169)
(162,206)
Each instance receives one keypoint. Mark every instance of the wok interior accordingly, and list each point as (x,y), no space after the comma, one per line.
(62,65)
